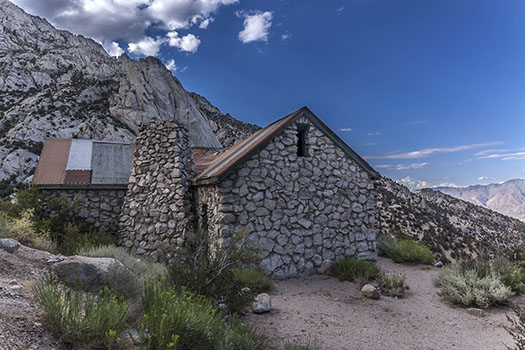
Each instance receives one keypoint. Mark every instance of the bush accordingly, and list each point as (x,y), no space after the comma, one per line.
(352,268)
(392,284)
(145,269)
(412,252)
(471,285)
(180,320)
(253,279)
(211,273)
(23,230)
(78,318)
(386,244)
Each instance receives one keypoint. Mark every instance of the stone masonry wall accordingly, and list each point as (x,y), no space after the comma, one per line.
(300,211)
(158,204)
(100,207)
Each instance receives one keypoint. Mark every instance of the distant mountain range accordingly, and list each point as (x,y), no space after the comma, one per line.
(506,198)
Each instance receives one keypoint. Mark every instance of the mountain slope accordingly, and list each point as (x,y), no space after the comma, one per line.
(507,198)
(452,227)
(56,84)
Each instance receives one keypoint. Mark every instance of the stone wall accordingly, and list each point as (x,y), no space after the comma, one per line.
(158,204)
(300,211)
(100,207)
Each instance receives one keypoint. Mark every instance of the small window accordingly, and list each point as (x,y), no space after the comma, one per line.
(301,139)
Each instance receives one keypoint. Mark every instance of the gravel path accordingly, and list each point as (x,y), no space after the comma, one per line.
(336,313)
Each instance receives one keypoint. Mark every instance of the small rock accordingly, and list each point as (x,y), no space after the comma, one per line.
(13,283)
(262,304)
(438,264)
(9,245)
(452,324)
(133,335)
(370,292)
(325,267)
(476,312)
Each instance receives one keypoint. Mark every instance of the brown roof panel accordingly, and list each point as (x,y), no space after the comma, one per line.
(77,177)
(53,161)
(239,152)
(203,157)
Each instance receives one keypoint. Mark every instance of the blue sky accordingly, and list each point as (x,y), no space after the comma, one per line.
(429,92)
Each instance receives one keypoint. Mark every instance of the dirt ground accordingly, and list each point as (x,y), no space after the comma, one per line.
(340,318)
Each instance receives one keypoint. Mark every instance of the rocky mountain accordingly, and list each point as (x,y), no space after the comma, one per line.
(56,84)
(452,227)
(507,198)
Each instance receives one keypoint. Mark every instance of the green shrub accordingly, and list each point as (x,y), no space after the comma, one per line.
(253,279)
(386,244)
(78,318)
(471,285)
(352,268)
(143,268)
(211,273)
(412,252)
(392,284)
(310,345)
(180,320)
(23,230)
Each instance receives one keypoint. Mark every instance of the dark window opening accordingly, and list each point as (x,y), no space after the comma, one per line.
(204,217)
(301,140)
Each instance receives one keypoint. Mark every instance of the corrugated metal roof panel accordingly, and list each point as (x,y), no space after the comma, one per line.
(111,163)
(80,155)
(52,163)
(77,177)
(203,157)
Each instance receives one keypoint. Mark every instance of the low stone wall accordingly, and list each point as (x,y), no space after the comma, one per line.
(100,207)
(158,204)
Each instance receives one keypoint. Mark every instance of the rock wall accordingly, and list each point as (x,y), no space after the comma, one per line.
(158,204)
(100,207)
(300,211)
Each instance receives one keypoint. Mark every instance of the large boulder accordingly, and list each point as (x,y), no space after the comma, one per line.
(90,274)
(9,245)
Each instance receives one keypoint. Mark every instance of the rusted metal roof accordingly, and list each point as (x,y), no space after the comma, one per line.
(111,163)
(77,177)
(239,152)
(204,156)
(53,161)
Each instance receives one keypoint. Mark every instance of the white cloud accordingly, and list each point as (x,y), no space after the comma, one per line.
(146,47)
(503,154)
(446,184)
(413,184)
(256,26)
(171,66)
(285,36)
(414,122)
(370,144)
(482,178)
(426,152)
(377,133)
(109,21)
(345,129)
(188,43)
(340,9)
(114,49)
(402,166)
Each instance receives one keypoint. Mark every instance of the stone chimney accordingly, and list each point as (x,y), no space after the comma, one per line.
(158,205)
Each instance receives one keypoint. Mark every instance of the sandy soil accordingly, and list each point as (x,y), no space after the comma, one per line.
(336,313)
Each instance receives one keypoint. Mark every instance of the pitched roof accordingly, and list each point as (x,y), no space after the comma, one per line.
(241,151)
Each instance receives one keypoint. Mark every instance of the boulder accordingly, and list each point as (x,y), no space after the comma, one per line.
(262,304)
(370,292)
(9,245)
(87,273)
(325,267)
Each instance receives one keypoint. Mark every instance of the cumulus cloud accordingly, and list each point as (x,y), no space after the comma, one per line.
(146,47)
(482,178)
(426,152)
(402,166)
(413,184)
(171,66)
(114,49)
(188,43)
(107,21)
(256,26)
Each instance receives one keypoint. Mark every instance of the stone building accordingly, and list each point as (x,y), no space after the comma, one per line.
(294,187)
